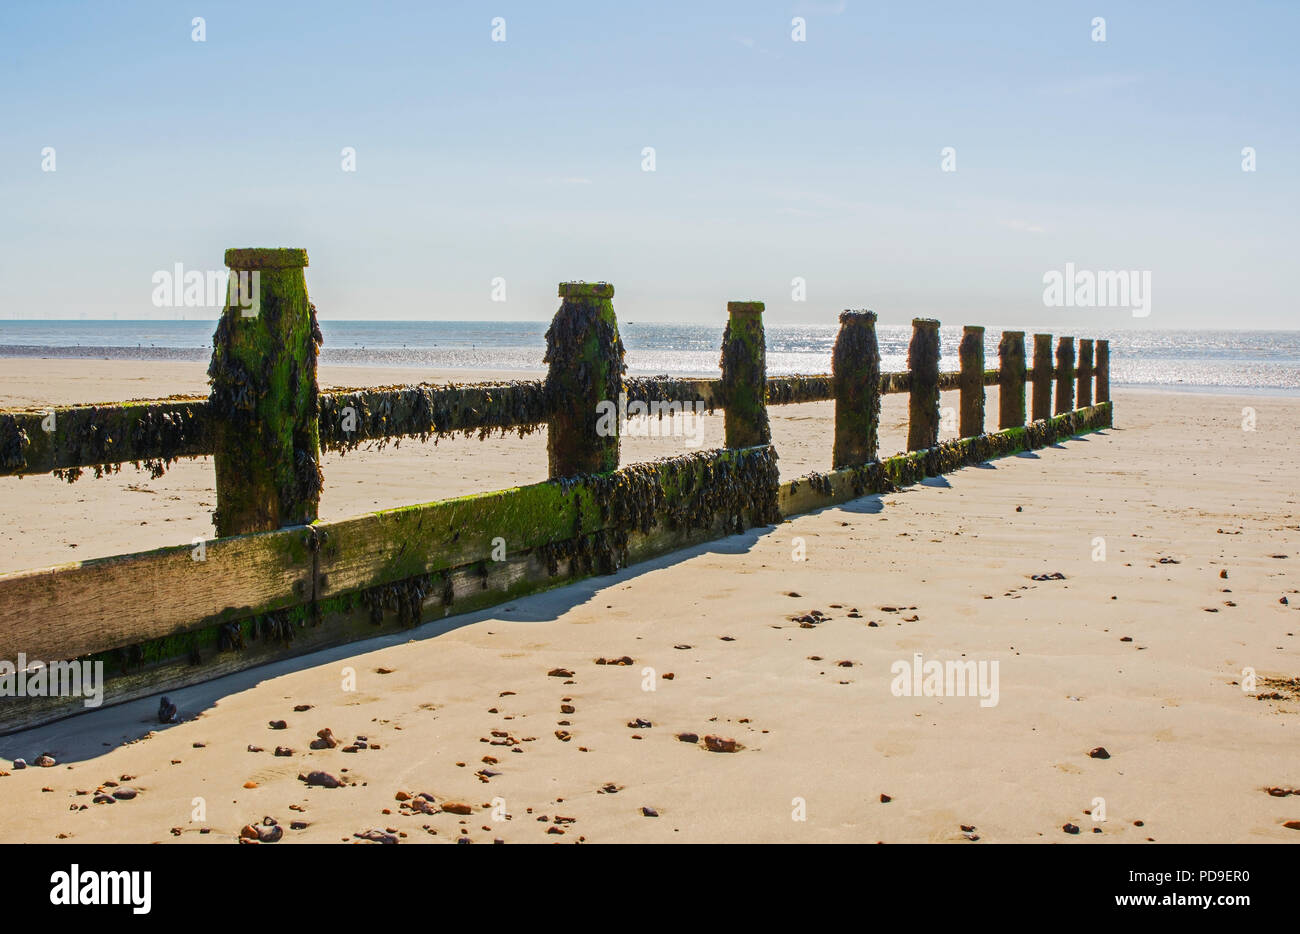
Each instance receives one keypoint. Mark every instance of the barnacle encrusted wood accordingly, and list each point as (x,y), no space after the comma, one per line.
(1042,377)
(1011,386)
(1083,399)
(70,439)
(744,376)
(923,401)
(971,352)
(352,417)
(669,389)
(788,390)
(263,398)
(855,376)
(1065,375)
(585,356)
(1103,371)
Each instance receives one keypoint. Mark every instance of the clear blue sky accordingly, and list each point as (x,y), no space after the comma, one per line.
(775,159)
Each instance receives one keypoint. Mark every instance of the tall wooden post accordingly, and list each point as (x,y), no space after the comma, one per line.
(1065,375)
(264,395)
(585,357)
(744,376)
(923,403)
(1042,376)
(1103,371)
(972,381)
(855,378)
(1011,379)
(1084,394)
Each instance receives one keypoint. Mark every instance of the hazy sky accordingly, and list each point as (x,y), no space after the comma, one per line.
(774,159)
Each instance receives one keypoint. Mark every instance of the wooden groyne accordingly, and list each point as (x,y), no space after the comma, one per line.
(276,582)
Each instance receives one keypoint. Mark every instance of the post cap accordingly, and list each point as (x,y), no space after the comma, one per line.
(266,258)
(745,308)
(586,290)
(852,316)
(1011,333)
(925,323)
(975,328)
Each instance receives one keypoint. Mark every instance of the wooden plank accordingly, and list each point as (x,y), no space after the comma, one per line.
(91,606)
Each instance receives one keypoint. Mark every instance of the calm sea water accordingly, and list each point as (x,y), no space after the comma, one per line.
(1251,361)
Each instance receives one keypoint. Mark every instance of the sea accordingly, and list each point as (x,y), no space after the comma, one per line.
(1245,361)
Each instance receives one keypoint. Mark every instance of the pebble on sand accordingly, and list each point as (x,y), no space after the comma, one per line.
(1099,753)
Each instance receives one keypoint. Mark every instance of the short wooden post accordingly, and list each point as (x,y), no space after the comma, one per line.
(972,381)
(264,395)
(1084,391)
(1103,371)
(1065,375)
(744,376)
(585,357)
(923,402)
(855,377)
(1011,379)
(1042,377)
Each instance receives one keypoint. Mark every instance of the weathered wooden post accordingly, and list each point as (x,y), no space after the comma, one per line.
(1103,371)
(744,376)
(585,357)
(1011,379)
(923,401)
(1065,375)
(855,377)
(972,381)
(1085,373)
(1042,376)
(263,396)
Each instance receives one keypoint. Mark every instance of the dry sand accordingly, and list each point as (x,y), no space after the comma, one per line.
(1191,753)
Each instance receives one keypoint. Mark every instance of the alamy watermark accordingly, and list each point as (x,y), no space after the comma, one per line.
(177,288)
(53,679)
(651,419)
(1108,288)
(919,678)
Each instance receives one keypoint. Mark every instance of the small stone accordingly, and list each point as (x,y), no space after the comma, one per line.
(298,825)
(167,712)
(885,799)
(1070,828)
(283,751)
(252,748)
(689,737)
(323,779)
(559,673)
(278,725)
(302,708)
(720,744)
(1099,753)
(270,834)
(649,812)
(639,724)
(250,784)
(457,807)
(19,764)
(45,762)
(125,794)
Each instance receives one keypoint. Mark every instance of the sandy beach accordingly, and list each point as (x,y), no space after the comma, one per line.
(1140,653)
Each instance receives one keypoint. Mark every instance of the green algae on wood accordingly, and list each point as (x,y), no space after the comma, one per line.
(1042,377)
(1065,375)
(264,397)
(791,390)
(585,358)
(1011,386)
(971,351)
(744,376)
(1083,398)
(855,375)
(923,401)
(1103,371)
